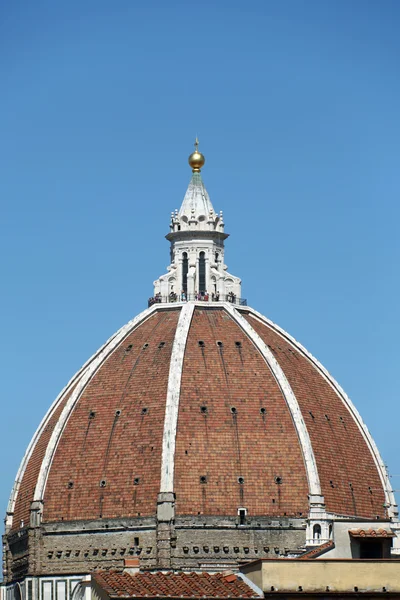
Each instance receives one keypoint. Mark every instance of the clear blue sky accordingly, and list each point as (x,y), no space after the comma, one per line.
(296,104)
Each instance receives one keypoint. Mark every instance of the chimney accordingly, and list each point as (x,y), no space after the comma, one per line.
(131,566)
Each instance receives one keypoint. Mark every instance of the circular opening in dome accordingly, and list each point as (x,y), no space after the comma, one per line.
(117,413)
(234,410)
(263,410)
(70,485)
(203,409)
(92,414)
(201,343)
(129,348)
(161,344)
(240,480)
(238,344)
(145,411)
(145,345)
(219,344)
(203,478)
(278,479)
(136,480)
(103,483)
(184,218)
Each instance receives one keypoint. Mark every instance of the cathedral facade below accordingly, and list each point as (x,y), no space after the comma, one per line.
(200,437)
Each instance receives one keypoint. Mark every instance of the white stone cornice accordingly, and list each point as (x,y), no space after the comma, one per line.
(380,465)
(92,367)
(314,485)
(173,395)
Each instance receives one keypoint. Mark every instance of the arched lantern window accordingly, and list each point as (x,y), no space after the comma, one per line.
(202,272)
(185,267)
(317,532)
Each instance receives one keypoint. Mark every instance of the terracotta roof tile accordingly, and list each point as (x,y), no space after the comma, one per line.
(175,585)
(315,552)
(381,533)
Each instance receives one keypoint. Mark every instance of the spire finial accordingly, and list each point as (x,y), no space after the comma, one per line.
(196,159)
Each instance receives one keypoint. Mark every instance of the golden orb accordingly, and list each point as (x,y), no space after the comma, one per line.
(196,159)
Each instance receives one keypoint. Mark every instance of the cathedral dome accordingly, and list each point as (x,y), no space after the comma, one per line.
(200,427)
(212,402)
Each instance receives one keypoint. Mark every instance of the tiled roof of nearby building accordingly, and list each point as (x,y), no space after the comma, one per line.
(318,551)
(381,533)
(175,585)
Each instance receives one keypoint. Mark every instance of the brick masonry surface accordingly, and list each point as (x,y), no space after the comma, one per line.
(108,464)
(29,479)
(236,447)
(349,478)
(257,442)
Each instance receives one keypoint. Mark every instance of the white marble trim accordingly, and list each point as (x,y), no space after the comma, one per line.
(99,358)
(380,465)
(291,400)
(173,395)
(38,432)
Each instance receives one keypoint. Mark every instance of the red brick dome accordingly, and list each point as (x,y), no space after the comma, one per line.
(199,436)
(213,403)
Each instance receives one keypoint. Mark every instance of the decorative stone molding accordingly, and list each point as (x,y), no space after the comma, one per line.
(197,231)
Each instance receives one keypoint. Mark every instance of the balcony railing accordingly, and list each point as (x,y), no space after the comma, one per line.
(206,298)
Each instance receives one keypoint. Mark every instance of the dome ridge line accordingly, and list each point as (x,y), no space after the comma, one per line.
(36,436)
(92,367)
(310,463)
(383,474)
(32,444)
(173,395)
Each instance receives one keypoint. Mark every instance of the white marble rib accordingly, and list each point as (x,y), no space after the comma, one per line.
(91,369)
(380,465)
(173,395)
(40,429)
(314,485)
